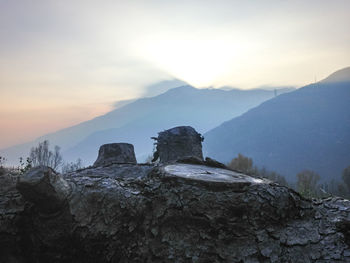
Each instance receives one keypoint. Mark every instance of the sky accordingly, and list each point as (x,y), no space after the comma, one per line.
(63,62)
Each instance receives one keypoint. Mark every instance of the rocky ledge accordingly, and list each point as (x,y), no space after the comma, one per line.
(166,212)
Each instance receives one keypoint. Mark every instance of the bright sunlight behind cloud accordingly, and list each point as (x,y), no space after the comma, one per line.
(85,55)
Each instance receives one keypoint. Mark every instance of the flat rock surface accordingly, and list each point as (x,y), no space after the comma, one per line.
(210,174)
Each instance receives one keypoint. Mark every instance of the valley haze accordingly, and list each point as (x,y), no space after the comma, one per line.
(267,79)
(203,109)
(284,129)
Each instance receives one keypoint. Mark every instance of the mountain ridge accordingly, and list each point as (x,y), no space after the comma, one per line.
(218,105)
(184,105)
(341,75)
(305,129)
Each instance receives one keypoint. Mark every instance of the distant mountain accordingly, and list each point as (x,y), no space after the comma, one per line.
(200,108)
(162,86)
(154,90)
(342,75)
(279,89)
(137,121)
(305,129)
(120,103)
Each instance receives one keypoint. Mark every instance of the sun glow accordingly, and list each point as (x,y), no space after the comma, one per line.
(200,62)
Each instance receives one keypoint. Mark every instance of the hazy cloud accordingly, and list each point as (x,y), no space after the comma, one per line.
(67,54)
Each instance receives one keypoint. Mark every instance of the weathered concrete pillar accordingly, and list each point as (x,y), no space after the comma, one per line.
(116,153)
(178,143)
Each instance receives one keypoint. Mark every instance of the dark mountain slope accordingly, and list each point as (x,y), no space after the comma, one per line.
(305,129)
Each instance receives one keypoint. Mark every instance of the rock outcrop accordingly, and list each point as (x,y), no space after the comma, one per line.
(173,212)
(45,188)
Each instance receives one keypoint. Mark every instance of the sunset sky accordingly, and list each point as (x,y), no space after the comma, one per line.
(63,62)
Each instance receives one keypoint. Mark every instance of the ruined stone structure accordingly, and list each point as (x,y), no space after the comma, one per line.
(173,212)
(178,143)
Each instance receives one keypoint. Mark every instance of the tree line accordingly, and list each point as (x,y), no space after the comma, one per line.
(307,181)
(42,155)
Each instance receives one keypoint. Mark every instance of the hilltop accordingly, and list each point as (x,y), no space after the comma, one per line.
(305,129)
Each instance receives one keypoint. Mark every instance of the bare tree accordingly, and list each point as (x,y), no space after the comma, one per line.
(41,155)
(307,183)
(245,165)
(71,167)
(2,161)
(346,177)
(57,159)
(242,164)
